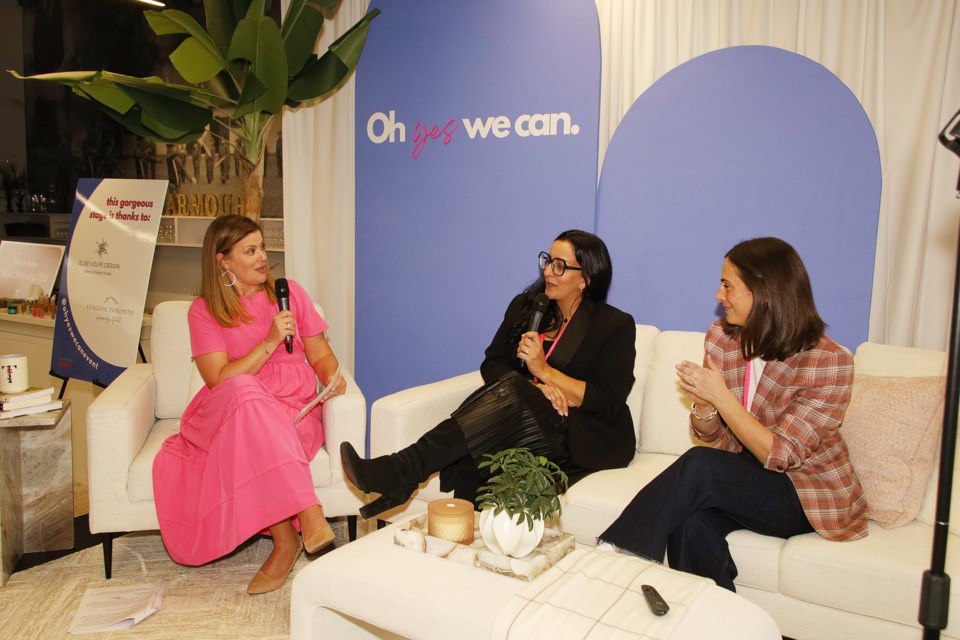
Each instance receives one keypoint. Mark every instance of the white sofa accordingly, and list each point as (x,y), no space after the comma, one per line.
(814,589)
(141,408)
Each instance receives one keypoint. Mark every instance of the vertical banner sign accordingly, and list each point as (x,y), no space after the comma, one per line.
(103,284)
(476,135)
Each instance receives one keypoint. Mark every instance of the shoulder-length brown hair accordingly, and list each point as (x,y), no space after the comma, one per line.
(784,318)
(221,237)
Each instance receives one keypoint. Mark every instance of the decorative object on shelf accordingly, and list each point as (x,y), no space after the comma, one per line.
(451,519)
(244,65)
(14,374)
(522,493)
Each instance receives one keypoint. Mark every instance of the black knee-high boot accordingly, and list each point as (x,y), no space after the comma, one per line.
(396,476)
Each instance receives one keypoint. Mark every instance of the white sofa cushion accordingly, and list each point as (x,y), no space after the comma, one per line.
(170,353)
(590,505)
(757,558)
(869,576)
(666,407)
(646,335)
(140,480)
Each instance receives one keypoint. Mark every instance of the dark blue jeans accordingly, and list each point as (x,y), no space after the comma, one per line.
(688,510)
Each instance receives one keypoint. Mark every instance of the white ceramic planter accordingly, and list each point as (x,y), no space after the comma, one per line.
(502,534)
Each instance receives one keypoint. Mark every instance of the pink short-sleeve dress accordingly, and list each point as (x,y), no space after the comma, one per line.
(239,463)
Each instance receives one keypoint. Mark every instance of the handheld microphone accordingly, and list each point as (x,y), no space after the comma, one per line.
(283,301)
(540,304)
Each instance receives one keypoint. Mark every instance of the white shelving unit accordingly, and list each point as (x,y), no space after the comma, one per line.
(188,231)
(175,231)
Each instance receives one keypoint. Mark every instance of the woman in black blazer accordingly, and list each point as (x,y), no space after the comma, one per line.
(567,386)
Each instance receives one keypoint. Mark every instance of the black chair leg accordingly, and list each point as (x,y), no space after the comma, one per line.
(351,528)
(108,554)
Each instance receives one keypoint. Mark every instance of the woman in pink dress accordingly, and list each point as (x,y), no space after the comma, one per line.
(240,464)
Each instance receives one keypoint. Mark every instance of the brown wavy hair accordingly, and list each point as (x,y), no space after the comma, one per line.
(784,319)
(221,237)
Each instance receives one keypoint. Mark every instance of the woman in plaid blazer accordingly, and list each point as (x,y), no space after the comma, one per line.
(767,402)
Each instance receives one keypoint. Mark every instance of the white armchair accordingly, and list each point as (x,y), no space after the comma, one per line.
(400,418)
(131,418)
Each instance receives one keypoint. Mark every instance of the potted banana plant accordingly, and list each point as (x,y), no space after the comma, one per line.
(244,68)
(523,492)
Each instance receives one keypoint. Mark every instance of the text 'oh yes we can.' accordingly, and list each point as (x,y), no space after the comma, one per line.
(384,127)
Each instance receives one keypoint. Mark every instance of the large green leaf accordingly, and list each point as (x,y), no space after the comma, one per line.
(321,77)
(221,17)
(252,89)
(131,121)
(192,95)
(107,94)
(174,113)
(256,9)
(258,41)
(349,46)
(68,78)
(300,30)
(200,57)
(191,59)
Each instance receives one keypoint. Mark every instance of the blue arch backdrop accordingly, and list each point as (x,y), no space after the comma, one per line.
(739,143)
(477,129)
(477,144)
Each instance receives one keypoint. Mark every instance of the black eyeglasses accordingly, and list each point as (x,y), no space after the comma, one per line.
(559,265)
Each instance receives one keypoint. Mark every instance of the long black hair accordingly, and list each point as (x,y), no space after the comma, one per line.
(594,259)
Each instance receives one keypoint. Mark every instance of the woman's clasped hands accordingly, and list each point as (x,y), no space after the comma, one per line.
(704,383)
(530,350)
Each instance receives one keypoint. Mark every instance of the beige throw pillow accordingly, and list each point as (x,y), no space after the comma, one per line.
(892,428)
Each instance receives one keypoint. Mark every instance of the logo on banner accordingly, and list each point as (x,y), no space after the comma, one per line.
(103,284)
(384,127)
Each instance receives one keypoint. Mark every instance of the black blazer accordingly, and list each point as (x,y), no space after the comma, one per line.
(599,347)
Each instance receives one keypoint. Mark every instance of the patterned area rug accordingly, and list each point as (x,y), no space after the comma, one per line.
(199,602)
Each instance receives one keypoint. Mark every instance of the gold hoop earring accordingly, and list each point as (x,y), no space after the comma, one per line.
(233,276)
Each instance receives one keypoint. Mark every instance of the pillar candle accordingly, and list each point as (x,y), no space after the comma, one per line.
(451,519)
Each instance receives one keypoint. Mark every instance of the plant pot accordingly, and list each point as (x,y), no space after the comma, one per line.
(509,536)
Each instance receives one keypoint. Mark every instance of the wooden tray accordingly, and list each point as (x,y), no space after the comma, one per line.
(555,544)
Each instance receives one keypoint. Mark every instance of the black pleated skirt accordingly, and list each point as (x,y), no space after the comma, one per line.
(510,413)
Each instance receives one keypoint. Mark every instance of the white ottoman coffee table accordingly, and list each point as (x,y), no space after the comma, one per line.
(372,588)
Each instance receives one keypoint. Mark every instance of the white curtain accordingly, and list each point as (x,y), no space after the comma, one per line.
(900,58)
(318,195)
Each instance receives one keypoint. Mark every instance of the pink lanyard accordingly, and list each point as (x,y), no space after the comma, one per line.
(555,340)
(746,387)
(554,345)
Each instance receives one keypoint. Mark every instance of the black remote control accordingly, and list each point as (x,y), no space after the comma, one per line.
(655,601)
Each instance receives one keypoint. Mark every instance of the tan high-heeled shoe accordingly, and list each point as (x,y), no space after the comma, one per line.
(262,583)
(317,540)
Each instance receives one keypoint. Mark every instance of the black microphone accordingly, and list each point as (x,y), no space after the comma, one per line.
(540,304)
(283,301)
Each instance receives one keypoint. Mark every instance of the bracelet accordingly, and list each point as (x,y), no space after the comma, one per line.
(706,418)
(264,344)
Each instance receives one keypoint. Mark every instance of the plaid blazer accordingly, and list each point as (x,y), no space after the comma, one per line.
(802,400)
